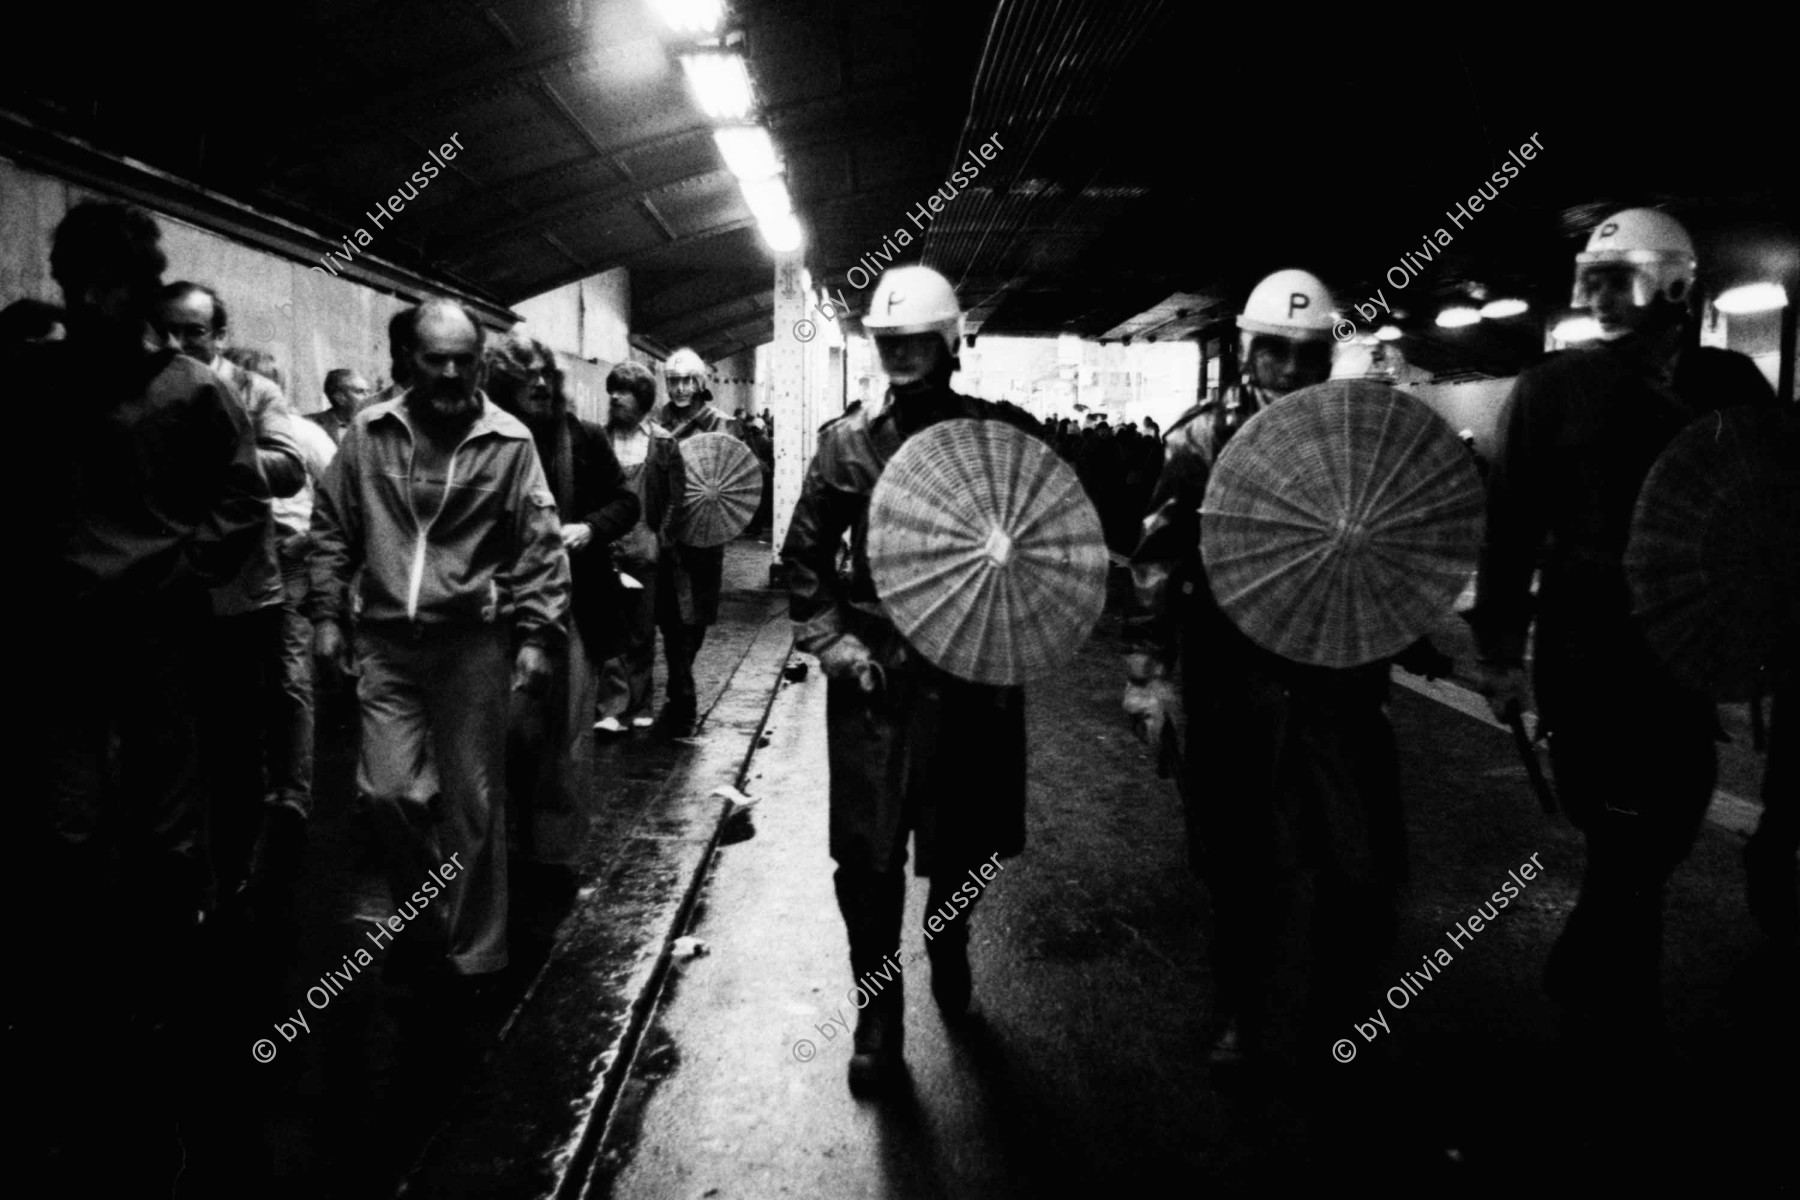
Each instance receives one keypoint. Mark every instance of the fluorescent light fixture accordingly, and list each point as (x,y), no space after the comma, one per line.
(782,233)
(691,16)
(1389,333)
(748,151)
(1457,316)
(1499,310)
(721,84)
(1576,329)
(767,199)
(1752,298)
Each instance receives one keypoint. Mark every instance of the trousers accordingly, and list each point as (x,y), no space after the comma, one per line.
(627,679)
(435,702)
(291,728)
(549,809)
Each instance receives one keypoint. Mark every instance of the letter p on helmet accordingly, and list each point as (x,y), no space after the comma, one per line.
(1298,301)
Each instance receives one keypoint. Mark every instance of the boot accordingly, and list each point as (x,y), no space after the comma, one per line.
(872,904)
(877,1063)
(949,953)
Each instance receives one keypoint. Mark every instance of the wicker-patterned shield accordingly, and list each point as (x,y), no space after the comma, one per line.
(724,487)
(1714,556)
(986,553)
(1340,523)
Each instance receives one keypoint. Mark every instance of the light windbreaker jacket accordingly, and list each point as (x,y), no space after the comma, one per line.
(493,545)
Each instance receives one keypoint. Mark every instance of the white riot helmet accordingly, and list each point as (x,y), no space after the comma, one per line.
(1291,304)
(685,362)
(1652,245)
(916,300)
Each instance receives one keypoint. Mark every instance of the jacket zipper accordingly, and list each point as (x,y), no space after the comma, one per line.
(416,582)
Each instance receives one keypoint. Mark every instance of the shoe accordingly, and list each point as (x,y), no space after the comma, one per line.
(676,720)
(642,722)
(609,725)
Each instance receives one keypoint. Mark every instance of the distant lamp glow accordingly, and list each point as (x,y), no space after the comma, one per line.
(691,16)
(1752,298)
(748,151)
(782,233)
(1576,329)
(1389,333)
(1457,316)
(1499,310)
(721,85)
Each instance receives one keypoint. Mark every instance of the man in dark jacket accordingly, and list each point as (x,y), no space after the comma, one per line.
(596,508)
(254,808)
(153,498)
(911,748)
(1632,748)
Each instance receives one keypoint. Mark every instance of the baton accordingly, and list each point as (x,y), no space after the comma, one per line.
(1515,721)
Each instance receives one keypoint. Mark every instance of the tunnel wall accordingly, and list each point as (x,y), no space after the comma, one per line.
(310,321)
(588,325)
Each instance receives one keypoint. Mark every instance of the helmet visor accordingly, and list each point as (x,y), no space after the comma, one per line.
(1645,279)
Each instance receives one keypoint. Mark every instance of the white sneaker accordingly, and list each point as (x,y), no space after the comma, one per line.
(608,725)
(642,722)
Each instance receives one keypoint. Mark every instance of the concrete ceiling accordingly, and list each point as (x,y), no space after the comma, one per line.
(1157,158)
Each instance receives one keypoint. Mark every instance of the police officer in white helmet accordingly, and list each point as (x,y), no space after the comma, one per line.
(912,749)
(1632,749)
(689,578)
(1270,746)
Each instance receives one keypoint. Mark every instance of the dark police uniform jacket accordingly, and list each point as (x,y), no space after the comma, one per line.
(931,752)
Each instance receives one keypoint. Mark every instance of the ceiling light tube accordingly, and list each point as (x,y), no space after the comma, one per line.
(1456,316)
(767,199)
(1752,298)
(782,233)
(1499,310)
(692,17)
(747,151)
(721,85)
(1389,333)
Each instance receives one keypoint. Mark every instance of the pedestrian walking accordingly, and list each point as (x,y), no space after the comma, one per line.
(438,500)
(689,578)
(650,458)
(595,506)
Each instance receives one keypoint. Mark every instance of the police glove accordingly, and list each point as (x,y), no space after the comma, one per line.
(1150,698)
(1504,686)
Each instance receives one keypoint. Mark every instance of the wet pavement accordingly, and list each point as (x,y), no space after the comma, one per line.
(1085,1071)
(669,1028)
